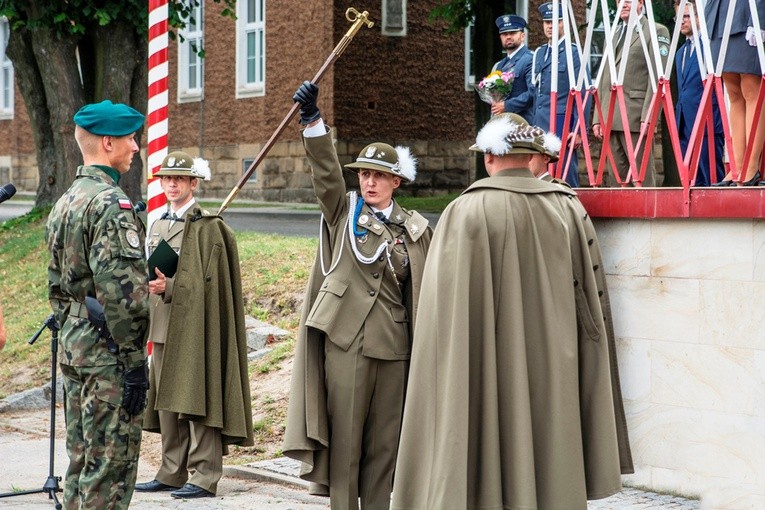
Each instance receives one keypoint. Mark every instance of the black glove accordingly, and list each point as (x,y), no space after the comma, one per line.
(136,384)
(306,95)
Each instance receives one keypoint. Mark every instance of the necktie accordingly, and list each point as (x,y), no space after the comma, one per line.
(381,216)
(170,216)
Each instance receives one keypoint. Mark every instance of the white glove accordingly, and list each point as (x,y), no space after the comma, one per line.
(751,36)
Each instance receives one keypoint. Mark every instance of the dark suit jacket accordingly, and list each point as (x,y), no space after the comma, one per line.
(690,89)
(521,98)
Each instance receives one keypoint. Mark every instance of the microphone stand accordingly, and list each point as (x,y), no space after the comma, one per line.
(51,484)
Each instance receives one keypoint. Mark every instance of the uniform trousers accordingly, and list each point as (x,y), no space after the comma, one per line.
(188,447)
(365,401)
(102,440)
(622,161)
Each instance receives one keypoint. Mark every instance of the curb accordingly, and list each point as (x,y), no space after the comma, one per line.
(263,475)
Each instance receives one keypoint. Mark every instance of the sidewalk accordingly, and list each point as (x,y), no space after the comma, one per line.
(286,471)
(270,484)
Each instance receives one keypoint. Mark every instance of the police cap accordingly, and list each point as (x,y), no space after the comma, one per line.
(546,10)
(109,119)
(510,23)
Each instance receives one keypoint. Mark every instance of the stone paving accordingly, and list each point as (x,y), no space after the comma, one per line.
(627,499)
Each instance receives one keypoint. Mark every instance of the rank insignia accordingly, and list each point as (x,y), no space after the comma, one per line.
(414,229)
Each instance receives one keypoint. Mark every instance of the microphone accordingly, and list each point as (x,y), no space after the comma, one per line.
(7,192)
(139,207)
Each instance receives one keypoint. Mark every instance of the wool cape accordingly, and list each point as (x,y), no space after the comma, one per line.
(510,401)
(204,373)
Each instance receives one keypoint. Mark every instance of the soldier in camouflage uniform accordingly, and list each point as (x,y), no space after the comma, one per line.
(96,245)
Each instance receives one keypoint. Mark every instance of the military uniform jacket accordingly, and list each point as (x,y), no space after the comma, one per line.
(96,244)
(204,373)
(510,400)
(542,75)
(345,296)
(637,87)
(172,233)
(521,97)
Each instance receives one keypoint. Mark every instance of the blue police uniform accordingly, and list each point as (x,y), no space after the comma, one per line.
(521,97)
(690,89)
(542,81)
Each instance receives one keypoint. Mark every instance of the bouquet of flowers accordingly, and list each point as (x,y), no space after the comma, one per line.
(495,87)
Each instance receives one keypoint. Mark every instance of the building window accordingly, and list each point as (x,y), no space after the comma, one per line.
(394,17)
(190,67)
(6,73)
(246,166)
(251,48)
(469,72)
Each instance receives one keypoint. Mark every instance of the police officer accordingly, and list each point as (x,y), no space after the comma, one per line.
(95,241)
(199,398)
(542,72)
(518,61)
(352,355)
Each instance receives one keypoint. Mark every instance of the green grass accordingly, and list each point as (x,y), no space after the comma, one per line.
(427,204)
(274,273)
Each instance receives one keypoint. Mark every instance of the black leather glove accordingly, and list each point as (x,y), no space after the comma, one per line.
(306,95)
(134,394)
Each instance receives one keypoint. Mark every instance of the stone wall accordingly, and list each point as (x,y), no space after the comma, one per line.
(686,297)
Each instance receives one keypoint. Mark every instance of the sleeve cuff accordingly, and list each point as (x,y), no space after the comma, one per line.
(314,131)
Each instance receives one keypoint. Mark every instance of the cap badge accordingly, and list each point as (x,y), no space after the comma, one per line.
(370,152)
(506,19)
(171,161)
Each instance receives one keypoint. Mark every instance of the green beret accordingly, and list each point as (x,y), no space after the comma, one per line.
(109,119)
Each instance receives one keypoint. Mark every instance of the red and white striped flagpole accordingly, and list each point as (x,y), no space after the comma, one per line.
(158,97)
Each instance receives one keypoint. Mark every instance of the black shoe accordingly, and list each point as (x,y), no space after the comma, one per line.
(190,491)
(754,180)
(724,183)
(154,486)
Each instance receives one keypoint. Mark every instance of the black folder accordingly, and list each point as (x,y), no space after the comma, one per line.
(164,258)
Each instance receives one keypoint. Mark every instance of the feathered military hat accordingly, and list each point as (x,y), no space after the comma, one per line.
(180,163)
(509,133)
(384,158)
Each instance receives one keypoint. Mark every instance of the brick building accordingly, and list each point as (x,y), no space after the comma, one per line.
(404,81)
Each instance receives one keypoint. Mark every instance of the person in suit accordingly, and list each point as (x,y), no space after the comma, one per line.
(742,76)
(637,88)
(690,86)
(199,396)
(542,73)
(511,394)
(518,61)
(355,334)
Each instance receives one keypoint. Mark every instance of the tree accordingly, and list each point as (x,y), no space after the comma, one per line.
(487,48)
(67,54)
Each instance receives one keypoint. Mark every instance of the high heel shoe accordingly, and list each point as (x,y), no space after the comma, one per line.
(753,181)
(724,183)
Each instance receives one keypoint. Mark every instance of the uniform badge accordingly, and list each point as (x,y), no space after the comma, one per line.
(398,217)
(663,51)
(132,238)
(171,161)
(363,219)
(414,229)
(376,226)
(370,152)
(362,239)
(125,203)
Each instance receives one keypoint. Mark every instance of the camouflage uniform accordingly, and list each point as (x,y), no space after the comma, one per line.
(96,245)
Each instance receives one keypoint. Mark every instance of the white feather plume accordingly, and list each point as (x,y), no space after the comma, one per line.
(407,163)
(201,167)
(551,142)
(492,137)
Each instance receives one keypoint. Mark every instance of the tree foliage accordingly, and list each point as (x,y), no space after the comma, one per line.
(69,53)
